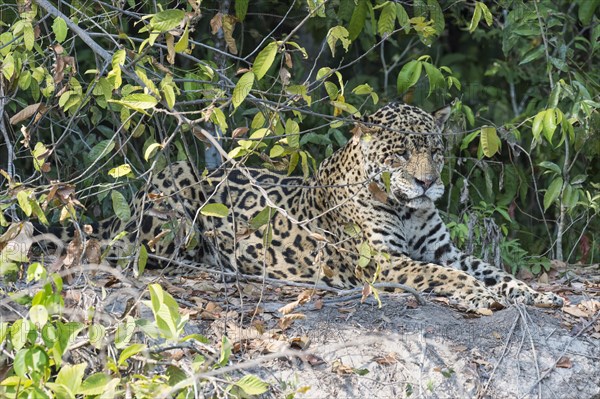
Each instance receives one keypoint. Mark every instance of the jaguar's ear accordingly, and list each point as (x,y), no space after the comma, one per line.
(441,116)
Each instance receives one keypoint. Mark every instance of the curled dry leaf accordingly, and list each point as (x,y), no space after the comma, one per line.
(239,131)
(28,112)
(216,23)
(378,193)
(387,360)
(366,291)
(286,321)
(340,368)
(300,342)
(285,76)
(564,363)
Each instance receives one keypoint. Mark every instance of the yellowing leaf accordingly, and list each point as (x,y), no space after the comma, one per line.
(387,19)
(242,88)
(120,171)
(152,148)
(215,210)
(137,101)
(252,385)
(537,126)
(59,27)
(338,33)
(490,143)
(264,60)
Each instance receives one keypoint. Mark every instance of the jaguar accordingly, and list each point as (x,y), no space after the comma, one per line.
(368,214)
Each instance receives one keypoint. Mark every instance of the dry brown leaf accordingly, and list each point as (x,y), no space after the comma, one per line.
(300,342)
(288,60)
(564,363)
(387,360)
(543,278)
(28,112)
(575,311)
(340,368)
(305,296)
(170,40)
(286,321)
(378,193)
(285,76)
(289,307)
(216,23)
(319,304)
(318,237)
(229,22)
(366,291)
(239,131)
(327,271)
(93,252)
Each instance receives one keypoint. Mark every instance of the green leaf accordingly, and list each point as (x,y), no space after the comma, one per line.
(252,385)
(487,15)
(349,108)
(95,384)
(120,171)
(551,166)
(537,126)
(532,55)
(357,21)
(436,79)
(137,101)
(364,251)
(550,123)
(71,376)
(124,332)
(24,203)
(142,260)
(28,36)
(335,34)
(96,335)
(120,206)
(490,142)
(403,19)
(19,332)
(553,192)
(242,88)
(386,177)
(166,20)
(387,19)
(476,18)
(437,16)
(262,218)
(586,11)
(225,351)
(131,350)
(264,60)
(59,27)
(183,42)
(409,75)
(215,210)
(38,315)
(241,8)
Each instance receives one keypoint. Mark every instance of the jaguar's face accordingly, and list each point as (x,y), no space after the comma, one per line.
(406,146)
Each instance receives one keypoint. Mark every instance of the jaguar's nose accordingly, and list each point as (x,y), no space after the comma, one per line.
(425,184)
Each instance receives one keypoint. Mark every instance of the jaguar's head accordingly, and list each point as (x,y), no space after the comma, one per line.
(406,142)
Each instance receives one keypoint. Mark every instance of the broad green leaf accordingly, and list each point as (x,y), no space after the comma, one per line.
(19,332)
(264,60)
(215,210)
(225,351)
(335,34)
(252,385)
(124,332)
(364,251)
(409,75)
(95,384)
(131,350)
(387,19)
(30,361)
(8,66)
(487,15)
(532,55)
(96,335)
(59,27)
(436,79)
(166,20)
(553,192)
(24,203)
(28,36)
(137,101)
(551,166)
(437,16)
(349,108)
(476,18)
(71,376)
(183,42)
(537,126)
(550,123)
(38,315)
(242,88)
(120,206)
(587,9)
(403,19)
(120,171)
(490,142)
(357,21)
(262,218)
(241,8)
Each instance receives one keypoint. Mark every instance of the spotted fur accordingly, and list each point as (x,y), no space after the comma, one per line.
(319,224)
